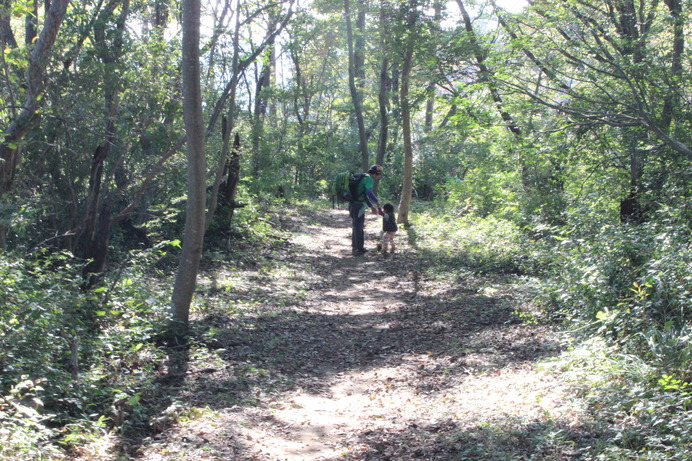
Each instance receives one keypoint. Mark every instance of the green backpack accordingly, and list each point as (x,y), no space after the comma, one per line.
(345,186)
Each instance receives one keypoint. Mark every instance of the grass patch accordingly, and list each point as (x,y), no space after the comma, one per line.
(482,245)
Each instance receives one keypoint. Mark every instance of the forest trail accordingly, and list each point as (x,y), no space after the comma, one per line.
(372,358)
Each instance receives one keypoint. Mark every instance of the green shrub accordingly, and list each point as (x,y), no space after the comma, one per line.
(72,359)
(643,414)
(479,244)
(632,285)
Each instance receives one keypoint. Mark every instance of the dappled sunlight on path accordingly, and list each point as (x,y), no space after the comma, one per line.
(377,361)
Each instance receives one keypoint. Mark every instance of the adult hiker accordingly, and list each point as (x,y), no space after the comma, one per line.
(365,195)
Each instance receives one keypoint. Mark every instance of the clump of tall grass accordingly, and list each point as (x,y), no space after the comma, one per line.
(489,244)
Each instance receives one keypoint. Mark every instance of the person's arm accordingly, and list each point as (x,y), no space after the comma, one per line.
(372,200)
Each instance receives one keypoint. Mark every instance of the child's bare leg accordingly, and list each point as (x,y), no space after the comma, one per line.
(390,237)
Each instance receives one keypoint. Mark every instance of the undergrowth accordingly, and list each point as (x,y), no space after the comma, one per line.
(75,363)
(481,245)
(623,292)
(79,368)
(83,369)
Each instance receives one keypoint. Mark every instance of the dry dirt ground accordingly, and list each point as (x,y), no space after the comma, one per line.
(366,358)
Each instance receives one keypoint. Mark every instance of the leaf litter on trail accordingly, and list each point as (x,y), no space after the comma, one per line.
(389,362)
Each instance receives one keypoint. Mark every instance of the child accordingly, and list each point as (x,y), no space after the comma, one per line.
(389,228)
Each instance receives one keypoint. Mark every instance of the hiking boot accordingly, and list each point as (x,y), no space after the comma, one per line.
(359,252)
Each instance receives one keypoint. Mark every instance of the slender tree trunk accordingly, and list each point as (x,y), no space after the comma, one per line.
(356,95)
(384,112)
(385,86)
(193,238)
(31,23)
(430,103)
(230,186)
(228,96)
(28,116)
(228,124)
(407,186)
(6,34)
(98,219)
(35,87)
(161,11)
(395,113)
(260,112)
(672,100)
(485,73)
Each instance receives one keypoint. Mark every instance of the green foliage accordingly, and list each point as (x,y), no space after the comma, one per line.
(643,414)
(24,434)
(479,244)
(626,279)
(630,287)
(74,362)
(484,193)
(625,292)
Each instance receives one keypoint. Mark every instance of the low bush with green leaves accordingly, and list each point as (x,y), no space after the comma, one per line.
(624,292)
(479,244)
(642,413)
(629,286)
(73,361)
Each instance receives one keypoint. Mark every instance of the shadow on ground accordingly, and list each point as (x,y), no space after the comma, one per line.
(359,315)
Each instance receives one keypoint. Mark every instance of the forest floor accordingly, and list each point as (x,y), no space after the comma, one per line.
(315,354)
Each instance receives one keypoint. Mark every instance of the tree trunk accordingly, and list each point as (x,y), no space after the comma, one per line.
(229,189)
(6,34)
(485,73)
(31,24)
(631,210)
(356,95)
(672,100)
(35,87)
(96,235)
(228,96)
(407,186)
(28,116)
(98,249)
(385,86)
(430,103)
(161,12)
(260,112)
(193,237)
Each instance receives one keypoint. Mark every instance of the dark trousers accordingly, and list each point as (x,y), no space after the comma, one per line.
(357,212)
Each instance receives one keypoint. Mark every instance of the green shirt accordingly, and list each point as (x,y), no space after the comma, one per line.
(365,184)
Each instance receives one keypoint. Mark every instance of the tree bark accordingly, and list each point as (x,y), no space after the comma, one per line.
(261,103)
(485,74)
(672,99)
(193,238)
(356,95)
(29,114)
(407,186)
(97,223)
(385,86)
(430,103)
(228,96)
(6,34)
(228,123)
(229,189)
(35,87)
(31,24)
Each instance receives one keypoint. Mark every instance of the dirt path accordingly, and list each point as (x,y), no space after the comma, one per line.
(371,358)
